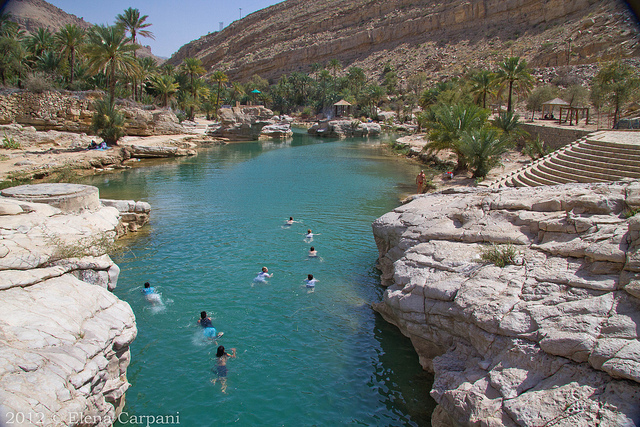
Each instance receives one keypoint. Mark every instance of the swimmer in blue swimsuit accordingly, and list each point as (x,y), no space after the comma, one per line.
(221,368)
(208,330)
(150,294)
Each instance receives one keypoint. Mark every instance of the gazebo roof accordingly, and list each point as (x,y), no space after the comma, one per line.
(556,101)
(342,102)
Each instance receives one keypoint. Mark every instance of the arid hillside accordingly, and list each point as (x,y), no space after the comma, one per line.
(33,14)
(441,38)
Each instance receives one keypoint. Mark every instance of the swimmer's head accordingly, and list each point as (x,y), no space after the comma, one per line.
(220,351)
(265,269)
(290,218)
(309,231)
(309,276)
(312,249)
(147,285)
(203,314)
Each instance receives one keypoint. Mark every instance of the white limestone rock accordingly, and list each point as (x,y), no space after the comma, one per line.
(550,341)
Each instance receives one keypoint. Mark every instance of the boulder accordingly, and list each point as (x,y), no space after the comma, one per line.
(551,338)
(344,128)
(242,123)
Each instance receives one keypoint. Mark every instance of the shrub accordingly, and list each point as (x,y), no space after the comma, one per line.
(88,246)
(108,121)
(9,142)
(535,148)
(38,83)
(500,255)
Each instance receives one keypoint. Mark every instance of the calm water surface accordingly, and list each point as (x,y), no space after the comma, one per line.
(304,358)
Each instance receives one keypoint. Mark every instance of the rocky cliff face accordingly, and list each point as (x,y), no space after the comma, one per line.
(549,340)
(72,112)
(440,38)
(64,337)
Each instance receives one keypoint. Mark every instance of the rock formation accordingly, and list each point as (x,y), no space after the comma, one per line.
(344,128)
(438,38)
(550,339)
(244,123)
(64,337)
(72,112)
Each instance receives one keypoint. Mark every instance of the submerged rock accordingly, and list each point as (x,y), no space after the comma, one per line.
(64,337)
(549,339)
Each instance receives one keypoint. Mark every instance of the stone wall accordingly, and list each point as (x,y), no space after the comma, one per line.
(550,339)
(64,337)
(555,137)
(72,112)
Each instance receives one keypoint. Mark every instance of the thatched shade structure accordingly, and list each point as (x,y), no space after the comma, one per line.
(341,108)
(549,106)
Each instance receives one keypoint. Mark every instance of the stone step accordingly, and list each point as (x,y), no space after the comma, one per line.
(517,183)
(593,140)
(533,175)
(550,172)
(567,169)
(546,174)
(603,164)
(616,156)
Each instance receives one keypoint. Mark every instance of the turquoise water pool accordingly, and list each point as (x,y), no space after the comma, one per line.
(320,357)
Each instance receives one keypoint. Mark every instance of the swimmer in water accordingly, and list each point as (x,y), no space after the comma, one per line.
(208,330)
(290,221)
(310,281)
(263,275)
(221,366)
(150,294)
(313,252)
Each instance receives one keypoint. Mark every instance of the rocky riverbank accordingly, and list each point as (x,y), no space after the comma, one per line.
(550,339)
(64,337)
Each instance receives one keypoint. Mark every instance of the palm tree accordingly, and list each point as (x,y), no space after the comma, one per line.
(39,42)
(482,149)
(334,66)
(446,125)
(219,77)
(482,84)
(193,68)
(165,87)
(357,79)
(108,51)
(108,122)
(132,22)
(7,27)
(199,89)
(513,73)
(509,125)
(69,39)
(237,92)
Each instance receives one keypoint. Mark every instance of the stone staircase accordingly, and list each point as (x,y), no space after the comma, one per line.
(598,157)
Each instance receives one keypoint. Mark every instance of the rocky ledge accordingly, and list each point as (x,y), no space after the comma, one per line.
(64,337)
(249,123)
(550,339)
(344,128)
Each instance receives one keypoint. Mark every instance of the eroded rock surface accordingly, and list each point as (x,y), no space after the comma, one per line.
(551,339)
(64,337)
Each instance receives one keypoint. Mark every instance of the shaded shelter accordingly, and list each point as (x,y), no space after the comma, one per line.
(571,113)
(549,106)
(341,108)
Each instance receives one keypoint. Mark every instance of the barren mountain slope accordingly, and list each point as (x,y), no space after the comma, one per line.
(438,37)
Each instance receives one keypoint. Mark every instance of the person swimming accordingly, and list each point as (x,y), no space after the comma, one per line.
(150,294)
(290,221)
(208,330)
(313,252)
(263,275)
(221,366)
(309,234)
(310,281)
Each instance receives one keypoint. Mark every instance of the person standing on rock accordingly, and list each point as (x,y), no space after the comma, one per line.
(420,181)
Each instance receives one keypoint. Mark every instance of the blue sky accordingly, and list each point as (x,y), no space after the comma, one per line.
(174,23)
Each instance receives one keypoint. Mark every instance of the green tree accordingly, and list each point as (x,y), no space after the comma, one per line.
(483,84)
(615,84)
(220,78)
(514,74)
(8,28)
(107,50)
(447,123)
(508,124)
(164,87)
(483,149)
(40,42)
(69,40)
(108,122)
(540,95)
(135,24)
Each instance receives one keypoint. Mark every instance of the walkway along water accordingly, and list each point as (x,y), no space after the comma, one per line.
(320,357)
